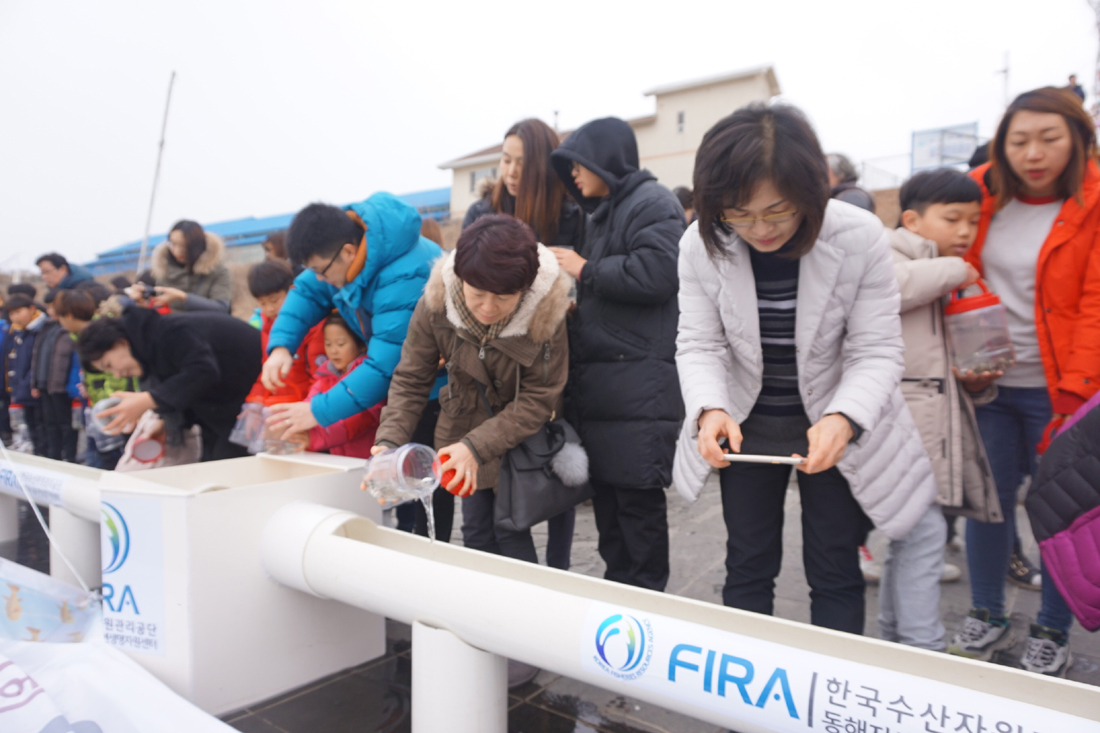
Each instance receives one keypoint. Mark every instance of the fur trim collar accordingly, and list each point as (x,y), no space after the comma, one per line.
(207,262)
(540,313)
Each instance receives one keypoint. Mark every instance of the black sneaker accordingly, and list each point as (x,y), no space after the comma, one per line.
(1047,652)
(981,635)
(1022,573)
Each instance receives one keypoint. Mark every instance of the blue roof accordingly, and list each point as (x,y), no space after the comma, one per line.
(435,204)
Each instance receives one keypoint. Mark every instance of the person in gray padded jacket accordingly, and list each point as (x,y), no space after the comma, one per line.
(790,343)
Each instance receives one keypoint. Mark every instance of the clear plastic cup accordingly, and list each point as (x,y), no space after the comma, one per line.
(402,474)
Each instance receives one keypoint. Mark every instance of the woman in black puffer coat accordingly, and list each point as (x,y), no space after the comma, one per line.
(623,394)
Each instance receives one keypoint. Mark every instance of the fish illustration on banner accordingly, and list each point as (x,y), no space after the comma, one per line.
(39,608)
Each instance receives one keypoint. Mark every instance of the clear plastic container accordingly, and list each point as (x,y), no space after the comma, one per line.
(95,424)
(271,440)
(977,332)
(401,474)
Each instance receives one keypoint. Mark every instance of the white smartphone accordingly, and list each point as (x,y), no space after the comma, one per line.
(746,458)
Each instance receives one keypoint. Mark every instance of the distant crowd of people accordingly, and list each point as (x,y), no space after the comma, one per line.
(766,313)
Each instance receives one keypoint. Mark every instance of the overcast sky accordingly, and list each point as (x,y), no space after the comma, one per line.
(278,104)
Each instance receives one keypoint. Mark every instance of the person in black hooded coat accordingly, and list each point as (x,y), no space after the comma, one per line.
(196,369)
(623,394)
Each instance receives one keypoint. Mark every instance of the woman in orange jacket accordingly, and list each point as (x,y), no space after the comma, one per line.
(1038,249)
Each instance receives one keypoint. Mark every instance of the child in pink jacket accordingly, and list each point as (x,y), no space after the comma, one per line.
(353,436)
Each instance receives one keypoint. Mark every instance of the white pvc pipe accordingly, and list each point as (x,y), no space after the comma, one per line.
(9,518)
(455,687)
(544,617)
(53,483)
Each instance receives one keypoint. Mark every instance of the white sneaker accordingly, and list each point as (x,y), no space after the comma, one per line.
(980,636)
(951,573)
(1047,652)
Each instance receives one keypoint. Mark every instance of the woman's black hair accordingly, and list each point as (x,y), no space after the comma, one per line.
(195,238)
(939,186)
(497,254)
(335,319)
(97,338)
(760,143)
(270,277)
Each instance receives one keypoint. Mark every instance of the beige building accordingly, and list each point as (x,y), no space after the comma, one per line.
(667,139)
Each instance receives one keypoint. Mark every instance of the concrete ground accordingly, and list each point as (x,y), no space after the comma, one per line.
(376,695)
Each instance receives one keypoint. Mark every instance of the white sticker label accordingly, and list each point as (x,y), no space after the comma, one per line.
(782,688)
(43,485)
(132,546)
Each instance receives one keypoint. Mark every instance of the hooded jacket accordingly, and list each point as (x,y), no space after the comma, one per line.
(1063,504)
(199,365)
(208,284)
(623,395)
(522,371)
(941,407)
(77,274)
(849,350)
(307,364)
(377,303)
(353,436)
(1067,291)
(18,354)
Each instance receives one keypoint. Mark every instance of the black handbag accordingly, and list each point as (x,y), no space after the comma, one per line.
(541,477)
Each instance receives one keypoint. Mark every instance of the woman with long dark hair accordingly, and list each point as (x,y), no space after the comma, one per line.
(190,270)
(790,344)
(530,190)
(1037,249)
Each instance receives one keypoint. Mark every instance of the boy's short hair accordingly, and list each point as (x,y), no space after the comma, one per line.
(269,277)
(22,289)
(320,230)
(940,186)
(78,304)
(683,195)
(16,302)
(58,261)
(51,295)
(97,338)
(120,282)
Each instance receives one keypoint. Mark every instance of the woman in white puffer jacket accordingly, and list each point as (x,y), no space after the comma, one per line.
(790,344)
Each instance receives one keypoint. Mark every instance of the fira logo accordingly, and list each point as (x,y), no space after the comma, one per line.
(723,672)
(114,538)
(624,646)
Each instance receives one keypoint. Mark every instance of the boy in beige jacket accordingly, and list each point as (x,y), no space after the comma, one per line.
(939,223)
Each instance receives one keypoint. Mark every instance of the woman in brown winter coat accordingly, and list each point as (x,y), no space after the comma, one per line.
(494,310)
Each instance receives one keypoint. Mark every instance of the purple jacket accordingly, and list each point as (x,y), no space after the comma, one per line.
(1064,506)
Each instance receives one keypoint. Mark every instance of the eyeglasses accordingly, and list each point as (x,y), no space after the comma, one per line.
(330,263)
(744,222)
